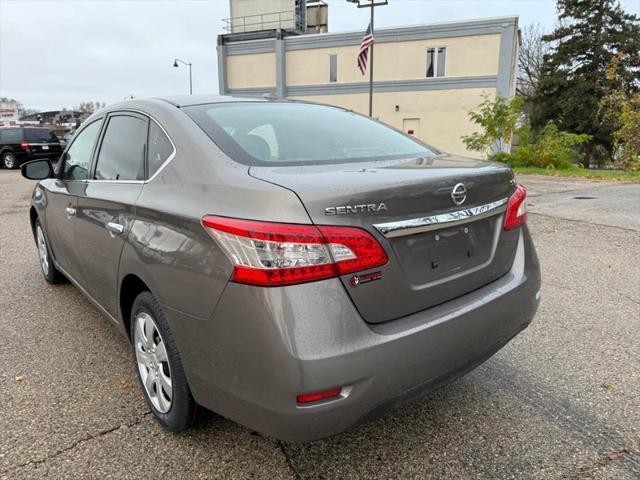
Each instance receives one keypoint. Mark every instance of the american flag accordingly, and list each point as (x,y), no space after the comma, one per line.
(363,54)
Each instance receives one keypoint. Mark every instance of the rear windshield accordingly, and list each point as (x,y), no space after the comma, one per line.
(40,135)
(298,133)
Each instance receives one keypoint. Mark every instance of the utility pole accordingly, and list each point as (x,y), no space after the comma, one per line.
(372,4)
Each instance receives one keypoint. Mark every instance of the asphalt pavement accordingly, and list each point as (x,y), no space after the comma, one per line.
(562,400)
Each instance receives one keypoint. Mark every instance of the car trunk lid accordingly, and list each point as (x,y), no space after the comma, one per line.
(438,249)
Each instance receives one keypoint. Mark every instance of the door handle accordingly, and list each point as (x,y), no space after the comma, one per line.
(70,212)
(115,227)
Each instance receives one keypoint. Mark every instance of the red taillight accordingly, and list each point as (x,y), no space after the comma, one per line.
(516,209)
(274,254)
(24,146)
(314,397)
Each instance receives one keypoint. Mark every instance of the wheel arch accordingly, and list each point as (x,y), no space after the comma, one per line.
(33,216)
(130,287)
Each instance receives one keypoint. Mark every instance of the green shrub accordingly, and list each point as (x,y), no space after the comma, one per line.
(502,157)
(550,148)
(497,119)
(554,148)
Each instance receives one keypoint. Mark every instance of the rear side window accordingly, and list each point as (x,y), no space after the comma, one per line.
(40,135)
(297,133)
(160,148)
(11,135)
(122,150)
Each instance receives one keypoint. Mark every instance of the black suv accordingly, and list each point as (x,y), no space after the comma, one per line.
(21,144)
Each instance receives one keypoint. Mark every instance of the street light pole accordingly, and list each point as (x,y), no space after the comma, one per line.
(175,64)
(372,4)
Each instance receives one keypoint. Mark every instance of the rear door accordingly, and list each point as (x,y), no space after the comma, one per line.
(106,207)
(11,145)
(60,197)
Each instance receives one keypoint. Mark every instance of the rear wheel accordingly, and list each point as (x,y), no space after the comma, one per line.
(159,366)
(49,271)
(9,160)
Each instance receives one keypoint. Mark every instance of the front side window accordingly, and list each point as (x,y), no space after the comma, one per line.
(78,157)
(122,150)
(160,148)
(436,61)
(298,133)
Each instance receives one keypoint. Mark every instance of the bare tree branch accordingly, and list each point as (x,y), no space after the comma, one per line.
(530,59)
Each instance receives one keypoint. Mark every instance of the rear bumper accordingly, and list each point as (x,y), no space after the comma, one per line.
(262,347)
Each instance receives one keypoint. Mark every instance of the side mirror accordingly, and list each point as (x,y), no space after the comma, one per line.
(37,169)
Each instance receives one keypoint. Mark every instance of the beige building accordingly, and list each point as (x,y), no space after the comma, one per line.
(426,77)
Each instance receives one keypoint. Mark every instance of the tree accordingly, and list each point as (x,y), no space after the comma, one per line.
(498,121)
(574,76)
(530,60)
(622,112)
(89,107)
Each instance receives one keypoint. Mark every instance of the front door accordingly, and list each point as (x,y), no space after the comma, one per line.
(106,208)
(60,197)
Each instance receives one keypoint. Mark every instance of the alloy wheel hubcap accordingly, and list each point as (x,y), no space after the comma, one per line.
(42,250)
(9,160)
(153,362)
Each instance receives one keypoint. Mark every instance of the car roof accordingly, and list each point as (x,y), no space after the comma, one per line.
(188,100)
(175,102)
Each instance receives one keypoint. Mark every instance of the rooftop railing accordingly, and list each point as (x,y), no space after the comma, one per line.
(263,21)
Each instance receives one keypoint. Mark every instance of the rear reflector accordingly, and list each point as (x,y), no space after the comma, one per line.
(24,146)
(275,254)
(314,397)
(516,209)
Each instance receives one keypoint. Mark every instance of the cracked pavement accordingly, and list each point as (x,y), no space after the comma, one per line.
(562,400)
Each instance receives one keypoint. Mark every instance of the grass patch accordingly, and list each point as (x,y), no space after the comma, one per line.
(615,175)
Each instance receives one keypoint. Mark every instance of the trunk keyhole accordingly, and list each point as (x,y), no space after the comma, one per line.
(434,264)
(469,253)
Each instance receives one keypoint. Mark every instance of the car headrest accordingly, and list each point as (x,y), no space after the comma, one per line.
(255,146)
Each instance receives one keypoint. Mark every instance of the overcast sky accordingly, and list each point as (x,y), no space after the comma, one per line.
(56,54)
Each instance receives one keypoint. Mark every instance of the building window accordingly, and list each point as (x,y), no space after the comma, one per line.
(436,61)
(333,68)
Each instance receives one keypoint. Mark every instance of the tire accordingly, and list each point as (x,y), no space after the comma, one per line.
(50,273)
(160,373)
(9,160)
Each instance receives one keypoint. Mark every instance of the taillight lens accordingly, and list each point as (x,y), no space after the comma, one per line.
(24,146)
(516,209)
(314,397)
(274,254)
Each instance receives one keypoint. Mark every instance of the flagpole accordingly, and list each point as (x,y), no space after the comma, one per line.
(372,4)
(371,66)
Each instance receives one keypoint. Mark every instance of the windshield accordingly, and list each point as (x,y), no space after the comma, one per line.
(298,133)
(40,135)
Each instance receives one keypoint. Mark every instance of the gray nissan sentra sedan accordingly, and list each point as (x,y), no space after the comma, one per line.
(294,267)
